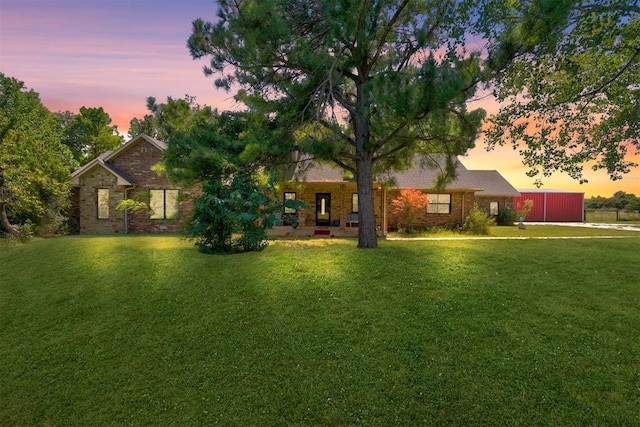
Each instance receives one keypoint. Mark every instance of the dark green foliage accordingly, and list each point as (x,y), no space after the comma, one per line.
(233,217)
(477,222)
(506,215)
(572,88)
(89,133)
(34,165)
(368,85)
(363,85)
(226,155)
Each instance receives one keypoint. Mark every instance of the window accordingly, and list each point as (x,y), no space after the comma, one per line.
(439,203)
(493,208)
(164,204)
(103,203)
(354,203)
(289,196)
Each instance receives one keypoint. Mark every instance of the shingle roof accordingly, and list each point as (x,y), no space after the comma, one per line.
(100,162)
(492,184)
(308,170)
(422,175)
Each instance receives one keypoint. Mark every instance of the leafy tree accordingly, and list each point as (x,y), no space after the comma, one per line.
(573,98)
(233,216)
(175,114)
(371,83)
(34,165)
(89,133)
(145,125)
(408,207)
(633,205)
(622,200)
(220,153)
(597,202)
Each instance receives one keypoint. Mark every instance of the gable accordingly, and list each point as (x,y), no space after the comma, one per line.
(110,159)
(99,162)
(146,140)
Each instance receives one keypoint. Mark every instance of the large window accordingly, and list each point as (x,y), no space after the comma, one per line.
(439,203)
(289,196)
(103,203)
(164,204)
(354,203)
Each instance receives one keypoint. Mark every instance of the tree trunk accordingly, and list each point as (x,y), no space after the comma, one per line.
(367,238)
(4,221)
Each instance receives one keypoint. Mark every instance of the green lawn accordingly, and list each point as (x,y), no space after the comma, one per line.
(609,216)
(530,231)
(145,330)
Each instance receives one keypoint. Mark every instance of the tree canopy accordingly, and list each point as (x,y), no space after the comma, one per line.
(220,153)
(34,164)
(89,133)
(370,84)
(573,99)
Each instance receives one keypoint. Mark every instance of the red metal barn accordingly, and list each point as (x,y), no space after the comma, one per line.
(552,206)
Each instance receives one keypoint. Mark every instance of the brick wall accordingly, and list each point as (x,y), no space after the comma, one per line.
(461,204)
(90,182)
(135,164)
(485,202)
(341,194)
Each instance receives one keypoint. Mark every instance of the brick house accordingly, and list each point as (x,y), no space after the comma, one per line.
(333,198)
(127,173)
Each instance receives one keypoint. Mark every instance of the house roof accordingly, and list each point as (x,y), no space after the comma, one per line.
(104,159)
(423,175)
(492,184)
(308,170)
(100,162)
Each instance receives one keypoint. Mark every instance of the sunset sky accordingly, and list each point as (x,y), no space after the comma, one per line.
(116,53)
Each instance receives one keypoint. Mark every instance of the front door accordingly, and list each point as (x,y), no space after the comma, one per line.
(323,209)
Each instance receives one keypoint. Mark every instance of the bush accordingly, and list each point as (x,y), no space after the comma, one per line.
(477,222)
(506,216)
(233,216)
(407,209)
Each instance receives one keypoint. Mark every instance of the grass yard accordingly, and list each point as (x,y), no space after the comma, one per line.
(609,216)
(145,330)
(530,231)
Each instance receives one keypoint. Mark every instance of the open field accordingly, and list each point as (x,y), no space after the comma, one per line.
(609,216)
(145,330)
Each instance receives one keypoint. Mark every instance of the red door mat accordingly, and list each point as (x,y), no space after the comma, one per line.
(322,232)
